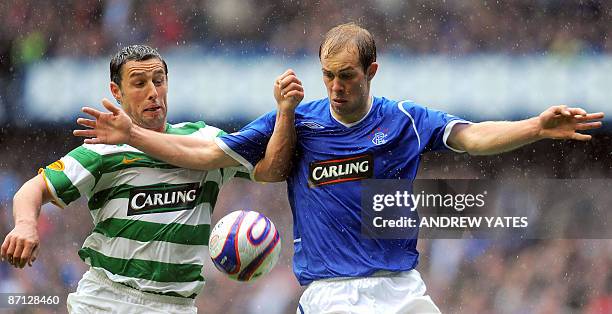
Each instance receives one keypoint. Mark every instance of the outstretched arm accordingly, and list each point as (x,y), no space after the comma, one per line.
(116,127)
(494,137)
(21,245)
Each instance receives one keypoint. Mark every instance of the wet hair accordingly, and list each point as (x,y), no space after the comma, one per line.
(132,53)
(346,36)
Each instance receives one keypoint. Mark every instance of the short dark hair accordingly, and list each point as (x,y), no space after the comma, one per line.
(345,35)
(132,53)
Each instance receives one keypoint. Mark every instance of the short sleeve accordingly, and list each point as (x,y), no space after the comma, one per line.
(248,145)
(433,127)
(210,132)
(72,176)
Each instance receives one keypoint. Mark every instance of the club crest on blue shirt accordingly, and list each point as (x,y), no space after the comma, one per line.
(378,136)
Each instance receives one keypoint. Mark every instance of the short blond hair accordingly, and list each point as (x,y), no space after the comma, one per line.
(348,35)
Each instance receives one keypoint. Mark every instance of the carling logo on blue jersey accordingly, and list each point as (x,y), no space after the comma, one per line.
(342,169)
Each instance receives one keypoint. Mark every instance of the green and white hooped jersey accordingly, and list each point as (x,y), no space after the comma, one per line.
(152,220)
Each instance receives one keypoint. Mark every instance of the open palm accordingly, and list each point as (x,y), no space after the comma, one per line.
(111,127)
(561,122)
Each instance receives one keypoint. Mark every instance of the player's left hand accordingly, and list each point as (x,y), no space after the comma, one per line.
(111,127)
(561,122)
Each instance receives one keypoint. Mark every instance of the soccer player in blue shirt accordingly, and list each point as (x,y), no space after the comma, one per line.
(342,139)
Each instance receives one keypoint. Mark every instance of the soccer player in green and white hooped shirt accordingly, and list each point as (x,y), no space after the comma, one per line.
(152,220)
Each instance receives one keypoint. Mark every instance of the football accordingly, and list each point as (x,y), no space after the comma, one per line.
(244,245)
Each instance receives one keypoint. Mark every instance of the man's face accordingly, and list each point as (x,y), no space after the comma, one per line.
(347,84)
(143,93)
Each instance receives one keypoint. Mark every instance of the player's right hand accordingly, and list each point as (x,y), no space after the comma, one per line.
(20,247)
(112,127)
(288,91)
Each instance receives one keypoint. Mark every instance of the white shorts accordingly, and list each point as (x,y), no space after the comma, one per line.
(384,293)
(98,294)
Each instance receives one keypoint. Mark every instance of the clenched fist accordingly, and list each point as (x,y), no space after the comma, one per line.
(288,91)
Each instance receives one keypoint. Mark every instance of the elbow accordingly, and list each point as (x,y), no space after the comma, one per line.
(271,180)
(474,149)
(471,139)
(270,177)
(471,143)
(21,193)
(266,173)
(17,197)
(279,177)
(26,194)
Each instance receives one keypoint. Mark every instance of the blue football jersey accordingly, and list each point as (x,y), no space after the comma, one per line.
(324,187)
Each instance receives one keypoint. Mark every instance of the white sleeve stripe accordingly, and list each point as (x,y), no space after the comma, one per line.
(179,125)
(233,154)
(206,132)
(401,107)
(80,177)
(447,132)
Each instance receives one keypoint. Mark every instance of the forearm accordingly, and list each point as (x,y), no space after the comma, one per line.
(182,151)
(494,137)
(20,246)
(277,162)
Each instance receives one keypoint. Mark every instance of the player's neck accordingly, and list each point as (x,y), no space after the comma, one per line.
(355,116)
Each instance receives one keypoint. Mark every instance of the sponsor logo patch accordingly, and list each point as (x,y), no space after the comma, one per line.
(149,200)
(127,161)
(312,125)
(343,169)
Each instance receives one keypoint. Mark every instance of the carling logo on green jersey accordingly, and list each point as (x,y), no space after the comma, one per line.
(148,200)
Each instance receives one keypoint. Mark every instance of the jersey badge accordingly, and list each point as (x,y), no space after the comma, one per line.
(378,136)
(57,166)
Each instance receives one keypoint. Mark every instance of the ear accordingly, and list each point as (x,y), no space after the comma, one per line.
(371,72)
(116,91)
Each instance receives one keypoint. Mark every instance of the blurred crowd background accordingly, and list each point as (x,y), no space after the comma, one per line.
(35,29)
(462,276)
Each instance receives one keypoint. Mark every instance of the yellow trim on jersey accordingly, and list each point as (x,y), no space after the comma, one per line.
(56,201)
